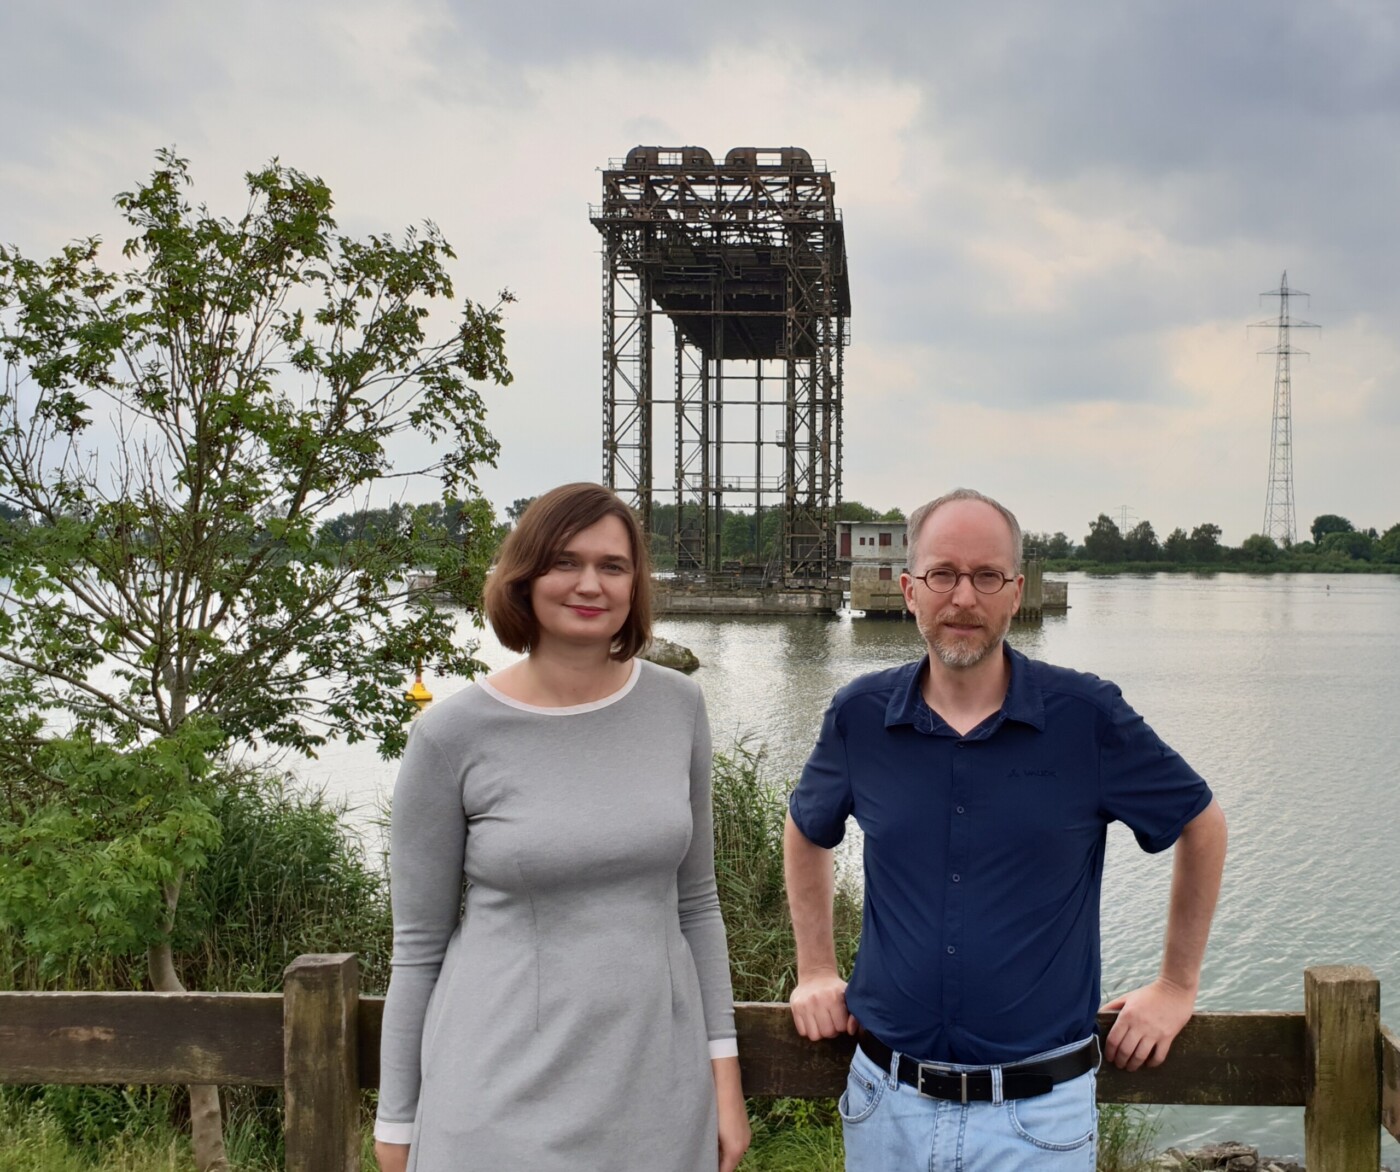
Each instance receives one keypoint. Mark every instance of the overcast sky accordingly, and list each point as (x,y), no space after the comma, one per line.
(1060,213)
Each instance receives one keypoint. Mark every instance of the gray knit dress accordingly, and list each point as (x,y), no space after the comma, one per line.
(563,1020)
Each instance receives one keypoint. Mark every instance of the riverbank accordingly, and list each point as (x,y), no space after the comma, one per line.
(1299,565)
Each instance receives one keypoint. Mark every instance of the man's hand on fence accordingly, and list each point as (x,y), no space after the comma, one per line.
(1149,1019)
(819,1007)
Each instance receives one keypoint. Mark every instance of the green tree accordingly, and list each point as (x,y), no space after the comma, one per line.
(1177,546)
(855,511)
(1259,547)
(516,509)
(1104,542)
(176,432)
(1204,544)
(1046,545)
(737,536)
(1388,546)
(1140,543)
(895,514)
(1349,544)
(1329,523)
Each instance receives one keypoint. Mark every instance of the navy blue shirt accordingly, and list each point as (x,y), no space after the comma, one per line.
(984,852)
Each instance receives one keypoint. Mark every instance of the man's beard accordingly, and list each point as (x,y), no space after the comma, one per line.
(962,651)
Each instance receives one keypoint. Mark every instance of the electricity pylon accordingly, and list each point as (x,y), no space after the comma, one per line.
(1280,518)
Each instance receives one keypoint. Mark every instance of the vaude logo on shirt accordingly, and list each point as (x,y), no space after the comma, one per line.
(1031,773)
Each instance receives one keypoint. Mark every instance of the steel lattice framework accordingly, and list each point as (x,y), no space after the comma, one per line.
(1280,516)
(747,261)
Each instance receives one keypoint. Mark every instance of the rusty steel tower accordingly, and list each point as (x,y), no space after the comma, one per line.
(1280,519)
(743,263)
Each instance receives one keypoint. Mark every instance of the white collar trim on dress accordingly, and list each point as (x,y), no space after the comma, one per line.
(571,709)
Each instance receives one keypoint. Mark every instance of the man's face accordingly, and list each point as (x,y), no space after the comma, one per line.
(962,627)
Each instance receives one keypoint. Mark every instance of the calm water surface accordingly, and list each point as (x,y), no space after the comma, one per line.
(1282,691)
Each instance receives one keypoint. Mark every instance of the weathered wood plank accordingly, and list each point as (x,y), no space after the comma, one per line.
(1243,1059)
(776,1062)
(371,1020)
(1390,1082)
(1239,1059)
(155,1038)
(320,1063)
(1341,1118)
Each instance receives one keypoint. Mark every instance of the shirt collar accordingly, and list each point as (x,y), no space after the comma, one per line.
(1024,700)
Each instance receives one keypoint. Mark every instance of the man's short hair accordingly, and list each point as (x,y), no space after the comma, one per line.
(533,546)
(923,512)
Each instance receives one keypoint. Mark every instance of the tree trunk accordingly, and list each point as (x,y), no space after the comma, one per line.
(206,1119)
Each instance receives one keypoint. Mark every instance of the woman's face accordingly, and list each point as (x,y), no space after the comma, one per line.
(586,595)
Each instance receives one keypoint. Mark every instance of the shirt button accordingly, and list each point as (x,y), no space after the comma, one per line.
(959,809)
(951,950)
(957,878)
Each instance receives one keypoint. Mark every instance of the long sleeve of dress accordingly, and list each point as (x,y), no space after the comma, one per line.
(428,834)
(701,922)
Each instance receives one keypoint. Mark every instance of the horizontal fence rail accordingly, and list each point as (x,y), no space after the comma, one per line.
(320,1041)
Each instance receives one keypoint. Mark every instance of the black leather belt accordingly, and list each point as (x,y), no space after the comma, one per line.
(1019,1080)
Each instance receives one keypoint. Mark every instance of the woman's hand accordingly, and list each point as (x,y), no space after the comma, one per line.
(391,1157)
(734,1131)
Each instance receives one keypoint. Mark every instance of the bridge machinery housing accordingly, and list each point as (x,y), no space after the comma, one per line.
(745,261)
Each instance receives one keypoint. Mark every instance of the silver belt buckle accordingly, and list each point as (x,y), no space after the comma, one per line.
(934,1069)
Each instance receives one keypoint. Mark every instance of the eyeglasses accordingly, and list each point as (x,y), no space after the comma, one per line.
(983,581)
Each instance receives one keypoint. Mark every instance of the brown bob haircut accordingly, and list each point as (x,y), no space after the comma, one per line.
(530,549)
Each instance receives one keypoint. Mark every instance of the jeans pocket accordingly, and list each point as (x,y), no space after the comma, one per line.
(1061,1121)
(860,1098)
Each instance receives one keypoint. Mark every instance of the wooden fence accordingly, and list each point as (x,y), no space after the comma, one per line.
(319,1040)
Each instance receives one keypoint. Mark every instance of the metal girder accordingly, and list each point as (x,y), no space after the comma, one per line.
(746,261)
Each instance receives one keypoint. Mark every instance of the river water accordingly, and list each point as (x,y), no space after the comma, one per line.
(1283,692)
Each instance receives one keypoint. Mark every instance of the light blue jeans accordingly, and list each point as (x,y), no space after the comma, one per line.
(890,1127)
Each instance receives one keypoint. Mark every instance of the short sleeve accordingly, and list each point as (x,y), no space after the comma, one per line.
(821,801)
(1143,782)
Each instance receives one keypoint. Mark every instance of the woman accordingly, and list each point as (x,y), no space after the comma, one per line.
(572,1010)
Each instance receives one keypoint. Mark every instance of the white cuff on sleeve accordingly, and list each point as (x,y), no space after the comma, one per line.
(724,1047)
(393,1133)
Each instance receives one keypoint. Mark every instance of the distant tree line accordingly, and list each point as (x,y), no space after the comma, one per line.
(1336,544)
(452,520)
(744,537)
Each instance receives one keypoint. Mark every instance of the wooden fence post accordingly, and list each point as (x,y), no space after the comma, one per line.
(1342,1114)
(321,1080)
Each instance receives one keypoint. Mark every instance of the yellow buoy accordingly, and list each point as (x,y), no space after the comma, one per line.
(418,694)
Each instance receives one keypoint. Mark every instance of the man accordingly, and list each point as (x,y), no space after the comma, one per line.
(984,783)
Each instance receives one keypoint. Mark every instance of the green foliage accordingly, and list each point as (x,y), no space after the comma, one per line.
(855,511)
(286,877)
(1104,542)
(1127,1138)
(1388,546)
(1347,544)
(175,434)
(1328,523)
(173,437)
(289,878)
(750,811)
(33,1138)
(1140,543)
(1046,545)
(1204,544)
(516,509)
(95,842)
(1260,548)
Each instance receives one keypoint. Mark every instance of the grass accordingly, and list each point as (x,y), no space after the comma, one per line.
(1127,1138)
